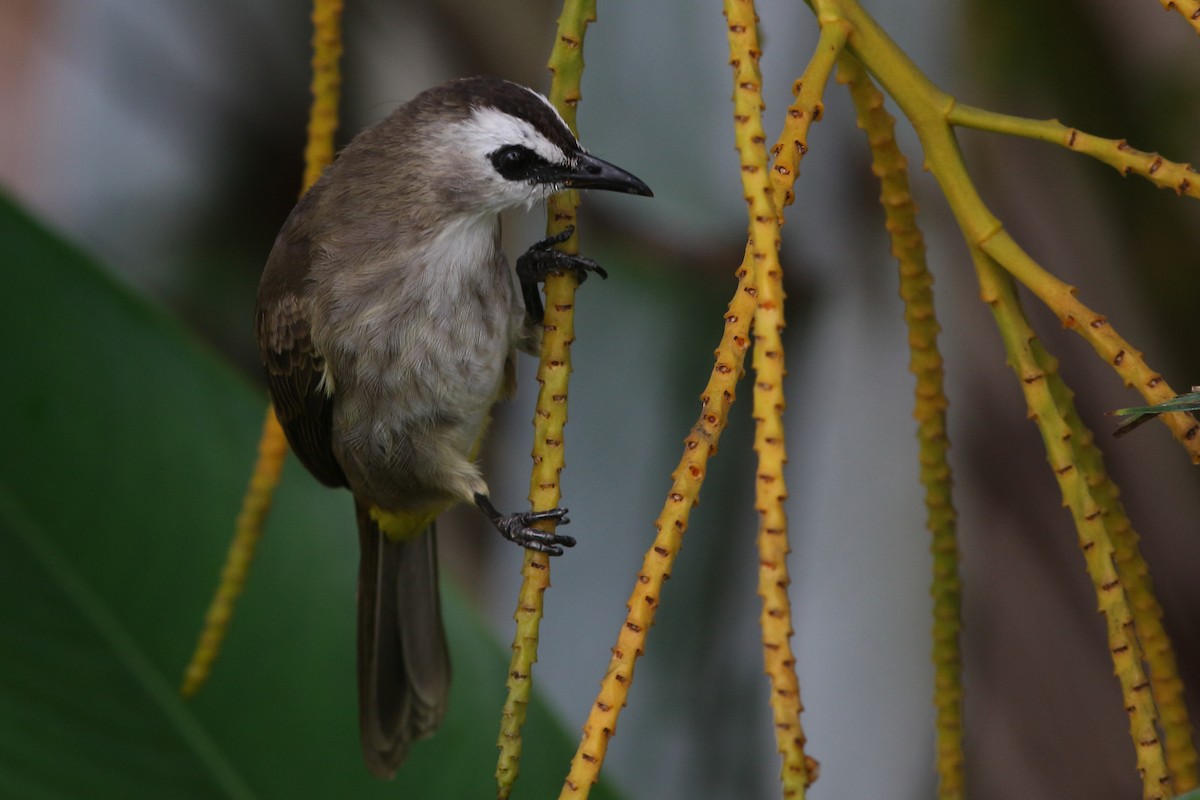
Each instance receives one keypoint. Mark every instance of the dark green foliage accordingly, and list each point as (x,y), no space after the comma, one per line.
(126,448)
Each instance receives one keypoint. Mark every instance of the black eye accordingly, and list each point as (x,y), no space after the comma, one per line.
(515,162)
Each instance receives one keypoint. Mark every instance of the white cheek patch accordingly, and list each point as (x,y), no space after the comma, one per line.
(487,130)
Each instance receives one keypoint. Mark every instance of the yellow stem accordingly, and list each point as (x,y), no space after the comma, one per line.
(1033,366)
(925,363)
(797,772)
(550,415)
(326,89)
(272,445)
(1188,9)
(1096,330)
(272,450)
(688,476)
(930,110)
(807,108)
(1181,178)
(1158,651)
(933,113)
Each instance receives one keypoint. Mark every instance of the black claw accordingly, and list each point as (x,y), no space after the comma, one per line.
(556,514)
(516,527)
(542,259)
(558,238)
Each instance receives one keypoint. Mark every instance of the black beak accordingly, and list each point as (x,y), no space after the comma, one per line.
(589,172)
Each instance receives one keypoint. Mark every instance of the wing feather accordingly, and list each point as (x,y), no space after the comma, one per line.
(295,368)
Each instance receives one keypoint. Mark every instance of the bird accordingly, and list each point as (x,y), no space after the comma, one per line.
(388,319)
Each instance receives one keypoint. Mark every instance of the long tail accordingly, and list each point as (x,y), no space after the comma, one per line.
(403,660)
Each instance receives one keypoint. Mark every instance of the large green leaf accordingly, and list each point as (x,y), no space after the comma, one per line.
(125,452)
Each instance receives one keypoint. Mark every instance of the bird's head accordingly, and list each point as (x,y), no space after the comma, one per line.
(501,145)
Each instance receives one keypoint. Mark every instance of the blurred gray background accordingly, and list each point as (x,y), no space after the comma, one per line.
(166,138)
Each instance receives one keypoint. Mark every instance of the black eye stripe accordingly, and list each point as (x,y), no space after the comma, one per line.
(515,162)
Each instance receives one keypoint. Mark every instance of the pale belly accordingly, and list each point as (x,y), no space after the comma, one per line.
(410,409)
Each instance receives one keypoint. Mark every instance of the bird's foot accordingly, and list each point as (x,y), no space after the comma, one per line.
(516,527)
(542,259)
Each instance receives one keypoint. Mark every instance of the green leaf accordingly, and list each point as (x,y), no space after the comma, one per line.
(127,446)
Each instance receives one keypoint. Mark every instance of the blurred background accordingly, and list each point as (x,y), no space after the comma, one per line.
(166,138)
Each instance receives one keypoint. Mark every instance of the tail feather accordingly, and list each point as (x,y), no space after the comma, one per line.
(403,660)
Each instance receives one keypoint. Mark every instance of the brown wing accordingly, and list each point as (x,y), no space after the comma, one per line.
(293,365)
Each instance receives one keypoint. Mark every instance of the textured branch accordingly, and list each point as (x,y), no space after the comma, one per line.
(807,108)
(1095,328)
(550,414)
(1158,653)
(688,477)
(1188,9)
(925,363)
(797,772)
(687,480)
(1180,178)
(1033,367)
(768,399)
(930,110)
(272,445)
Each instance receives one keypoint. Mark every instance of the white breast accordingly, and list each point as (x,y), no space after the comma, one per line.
(428,331)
